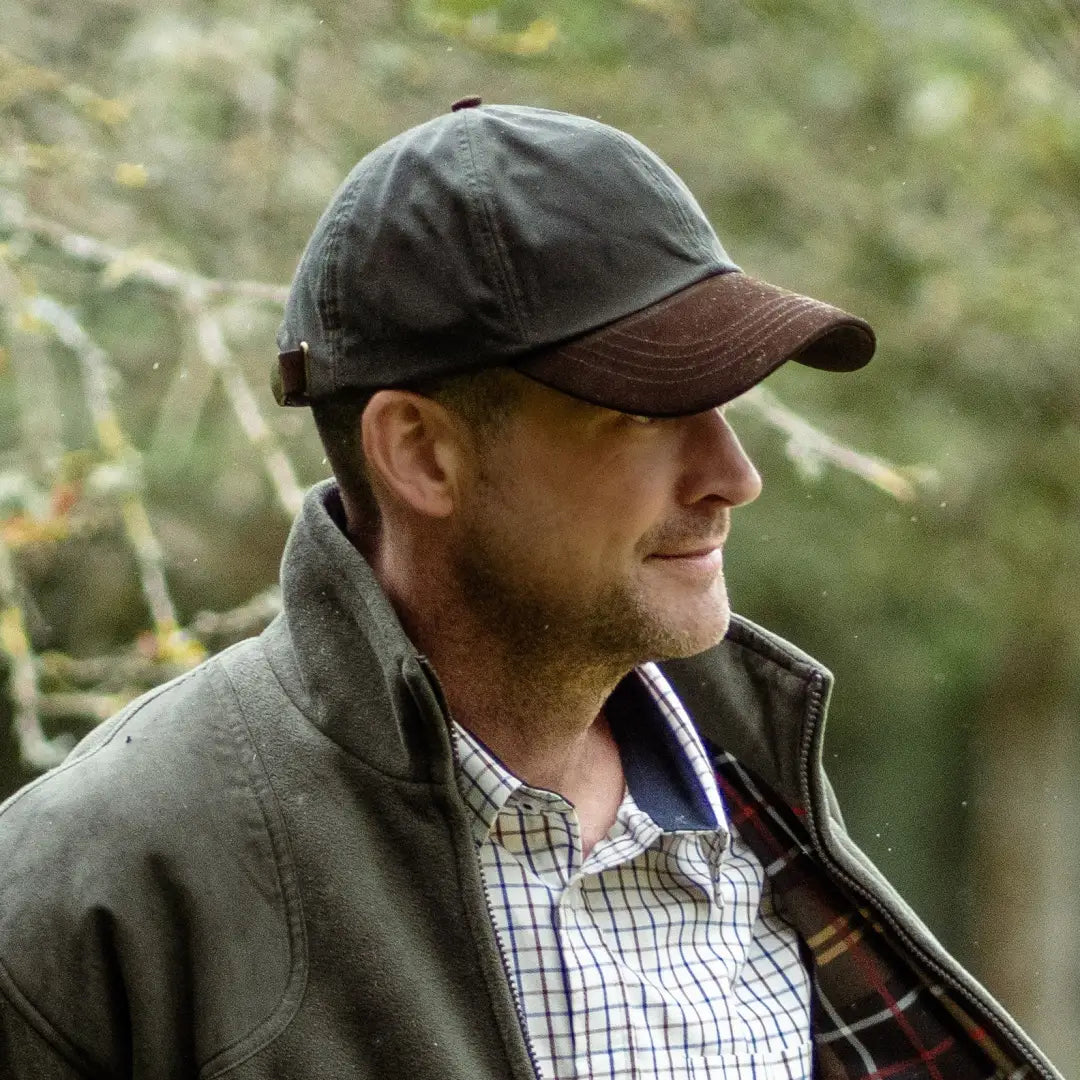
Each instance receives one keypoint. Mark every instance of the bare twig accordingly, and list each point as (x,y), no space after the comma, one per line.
(38,413)
(95,687)
(214,350)
(97,376)
(127,672)
(38,751)
(810,449)
(64,705)
(229,626)
(132,670)
(121,264)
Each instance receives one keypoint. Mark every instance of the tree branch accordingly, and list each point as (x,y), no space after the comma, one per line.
(123,265)
(811,449)
(38,751)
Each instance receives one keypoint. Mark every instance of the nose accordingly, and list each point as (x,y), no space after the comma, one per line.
(717,467)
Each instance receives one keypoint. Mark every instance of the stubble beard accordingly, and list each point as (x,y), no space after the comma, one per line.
(543,628)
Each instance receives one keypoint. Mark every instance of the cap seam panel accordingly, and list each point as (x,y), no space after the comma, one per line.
(328,303)
(660,181)
(496,255)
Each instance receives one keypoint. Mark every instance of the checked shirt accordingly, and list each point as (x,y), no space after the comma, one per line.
(875,1012)
(658,955)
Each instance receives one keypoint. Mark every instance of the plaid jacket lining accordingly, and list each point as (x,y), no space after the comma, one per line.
(875,1014)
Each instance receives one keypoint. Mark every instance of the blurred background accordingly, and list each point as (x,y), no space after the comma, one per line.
(161,166)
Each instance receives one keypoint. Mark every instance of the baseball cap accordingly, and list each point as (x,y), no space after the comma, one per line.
(553,243)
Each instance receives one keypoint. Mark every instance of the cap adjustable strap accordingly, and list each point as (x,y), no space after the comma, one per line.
(290,381)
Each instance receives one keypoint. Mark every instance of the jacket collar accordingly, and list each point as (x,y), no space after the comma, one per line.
(762,700)
(343,657)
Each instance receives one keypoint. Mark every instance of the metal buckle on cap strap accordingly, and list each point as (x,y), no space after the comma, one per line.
(291,377)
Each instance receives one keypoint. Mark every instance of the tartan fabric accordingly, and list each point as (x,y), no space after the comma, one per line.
(875,1016)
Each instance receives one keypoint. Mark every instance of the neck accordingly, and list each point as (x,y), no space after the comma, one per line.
(542,716)
(535,703)
(545,722)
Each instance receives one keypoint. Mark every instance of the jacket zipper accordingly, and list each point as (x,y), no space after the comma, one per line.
(443,713)
(511,981)
(871,898)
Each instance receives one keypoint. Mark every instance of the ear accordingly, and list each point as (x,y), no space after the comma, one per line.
(413,450)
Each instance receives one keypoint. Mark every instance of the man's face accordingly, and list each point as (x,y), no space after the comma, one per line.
(586,532)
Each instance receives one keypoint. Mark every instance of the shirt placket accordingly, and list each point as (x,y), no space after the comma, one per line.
(541,830)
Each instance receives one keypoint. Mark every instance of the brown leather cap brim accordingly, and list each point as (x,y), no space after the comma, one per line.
(701,347)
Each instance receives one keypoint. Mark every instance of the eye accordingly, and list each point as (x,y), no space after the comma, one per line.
(638,419)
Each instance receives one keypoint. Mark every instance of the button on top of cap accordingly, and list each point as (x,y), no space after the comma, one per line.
(469,102)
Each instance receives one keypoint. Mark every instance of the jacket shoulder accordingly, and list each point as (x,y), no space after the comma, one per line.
(146,880)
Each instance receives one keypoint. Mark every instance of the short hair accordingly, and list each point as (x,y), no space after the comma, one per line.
(484,399)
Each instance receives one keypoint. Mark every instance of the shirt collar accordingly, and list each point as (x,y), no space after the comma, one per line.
(669,774)
(667,767)
(486,784)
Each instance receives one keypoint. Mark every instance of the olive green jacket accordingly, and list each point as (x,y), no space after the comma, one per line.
(264,869)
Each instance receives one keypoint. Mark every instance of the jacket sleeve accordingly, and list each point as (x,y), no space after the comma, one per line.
(26,1055)
(142,911)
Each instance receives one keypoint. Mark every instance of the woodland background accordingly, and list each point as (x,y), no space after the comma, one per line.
(161,166)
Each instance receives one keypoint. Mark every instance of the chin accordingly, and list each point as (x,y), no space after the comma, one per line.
(682,638)
(693,644)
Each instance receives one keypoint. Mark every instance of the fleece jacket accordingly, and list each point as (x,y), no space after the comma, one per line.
(264,870)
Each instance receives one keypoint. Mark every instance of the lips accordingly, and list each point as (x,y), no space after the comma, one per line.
(702,564)
(696,553)
(692,539)
(699,549)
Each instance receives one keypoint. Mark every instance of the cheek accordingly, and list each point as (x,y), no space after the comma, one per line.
(596,524)
(580,513)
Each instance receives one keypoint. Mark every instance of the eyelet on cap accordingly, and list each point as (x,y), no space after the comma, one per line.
(469,102)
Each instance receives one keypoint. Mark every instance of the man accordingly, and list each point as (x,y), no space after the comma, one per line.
(506,791)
